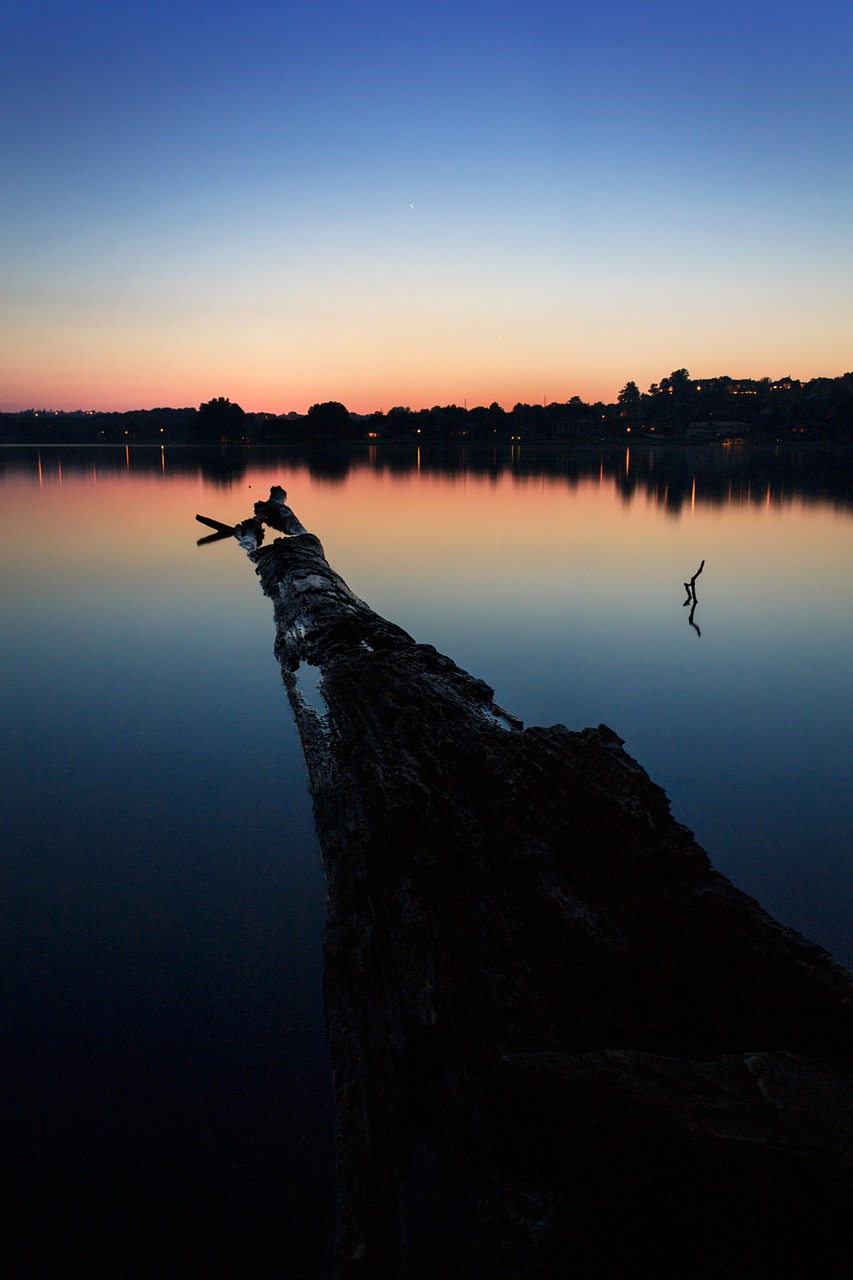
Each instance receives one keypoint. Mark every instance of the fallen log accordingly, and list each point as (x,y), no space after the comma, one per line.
(623,1062)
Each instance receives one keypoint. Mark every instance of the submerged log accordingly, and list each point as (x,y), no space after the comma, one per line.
(623,1062)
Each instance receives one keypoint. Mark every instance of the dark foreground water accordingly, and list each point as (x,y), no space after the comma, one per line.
(166,1088)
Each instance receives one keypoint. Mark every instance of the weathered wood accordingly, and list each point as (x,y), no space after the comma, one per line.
(527,959)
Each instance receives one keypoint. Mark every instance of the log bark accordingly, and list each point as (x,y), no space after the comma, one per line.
(621,1059)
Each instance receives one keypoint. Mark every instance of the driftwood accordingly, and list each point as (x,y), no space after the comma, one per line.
(623,1063)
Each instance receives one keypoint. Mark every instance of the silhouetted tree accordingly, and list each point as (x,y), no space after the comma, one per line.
(219,419)
(329,420)
(630,402)
(399,421)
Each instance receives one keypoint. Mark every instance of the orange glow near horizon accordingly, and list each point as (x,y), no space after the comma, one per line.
(375,387)
(407,224)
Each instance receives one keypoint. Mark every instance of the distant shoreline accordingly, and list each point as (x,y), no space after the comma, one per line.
(678,409)
(332,446)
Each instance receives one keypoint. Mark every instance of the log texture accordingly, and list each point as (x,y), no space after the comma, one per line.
(624,1064)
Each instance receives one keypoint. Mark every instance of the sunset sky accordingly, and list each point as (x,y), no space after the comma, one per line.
(417,203)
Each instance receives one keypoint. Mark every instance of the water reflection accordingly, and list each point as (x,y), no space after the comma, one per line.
(673,478)
(156,904)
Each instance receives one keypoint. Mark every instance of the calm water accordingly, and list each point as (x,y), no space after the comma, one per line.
(165,1069)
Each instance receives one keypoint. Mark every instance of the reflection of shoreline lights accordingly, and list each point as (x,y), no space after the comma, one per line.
(575,524)
(789,478)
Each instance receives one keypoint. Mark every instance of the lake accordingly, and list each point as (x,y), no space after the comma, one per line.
(168,1093)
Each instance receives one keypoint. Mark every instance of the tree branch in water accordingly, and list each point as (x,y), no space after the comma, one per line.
(690,588)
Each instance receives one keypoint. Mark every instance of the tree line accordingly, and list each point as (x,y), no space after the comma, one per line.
(679,407)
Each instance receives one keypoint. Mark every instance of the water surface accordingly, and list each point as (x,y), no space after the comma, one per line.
(163,896)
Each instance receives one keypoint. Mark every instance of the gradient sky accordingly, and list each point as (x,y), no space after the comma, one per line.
(419,203)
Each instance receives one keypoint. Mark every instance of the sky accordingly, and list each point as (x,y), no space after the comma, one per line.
(419,203)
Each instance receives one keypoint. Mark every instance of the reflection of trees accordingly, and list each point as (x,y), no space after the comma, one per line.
(326,464)
(671,476)
(751,475)
(223,467)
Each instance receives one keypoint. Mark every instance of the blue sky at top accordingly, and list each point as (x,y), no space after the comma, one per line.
(419,203)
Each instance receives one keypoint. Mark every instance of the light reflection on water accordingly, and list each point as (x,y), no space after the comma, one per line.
(164,896)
